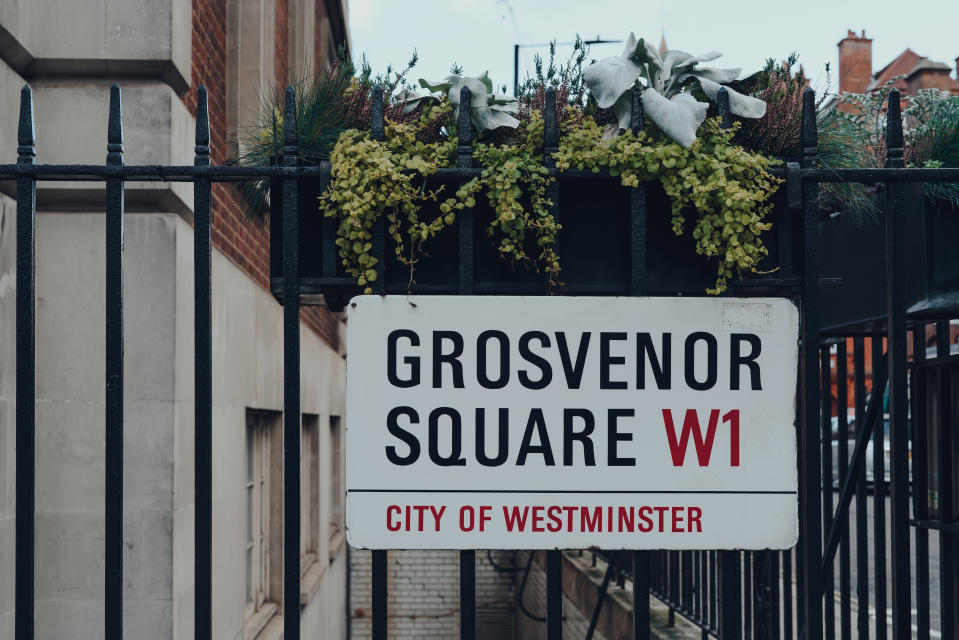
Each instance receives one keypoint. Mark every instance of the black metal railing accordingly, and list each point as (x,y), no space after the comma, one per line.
(732,594)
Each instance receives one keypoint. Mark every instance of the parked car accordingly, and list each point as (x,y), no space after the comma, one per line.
(886,447)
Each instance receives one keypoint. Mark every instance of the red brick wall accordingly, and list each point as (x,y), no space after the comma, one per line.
(282,43)
(243,242)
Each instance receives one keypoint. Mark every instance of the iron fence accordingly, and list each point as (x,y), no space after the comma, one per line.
(727,593)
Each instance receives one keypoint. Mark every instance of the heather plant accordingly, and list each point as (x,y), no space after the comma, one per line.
(781,88)
(566,78)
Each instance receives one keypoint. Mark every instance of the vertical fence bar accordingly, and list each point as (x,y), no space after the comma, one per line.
(380,594)
(550,147)
(730,616)
(713,593)
(380,587)
(747,595)
(26,372)
(291,379)
(673,591)
(842,418)
(828,579)
(464,160)
(467,594)
(637,204)
(862,533)
(722,108)
(898,407)
(948,560)
(810,560)
(788,593)
(879,501)
(378,133)
(554,595)
(113,539)
(639,287)
(641,595)
(554,558)
(203,381)
(773,599)
(918,380)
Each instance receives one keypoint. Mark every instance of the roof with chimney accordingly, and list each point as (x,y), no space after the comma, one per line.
(910,71)
(908,64)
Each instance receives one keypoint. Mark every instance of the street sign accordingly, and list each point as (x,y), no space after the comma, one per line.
(487,422)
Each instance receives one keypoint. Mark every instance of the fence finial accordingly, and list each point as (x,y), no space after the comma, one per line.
(636,116)
(550,127)
(894,140)
(26,149)
(202,148)
(722,104)
(464,130)
(810,131)
(115,127)
(377,126)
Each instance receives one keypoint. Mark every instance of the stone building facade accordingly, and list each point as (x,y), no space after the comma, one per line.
(160,51)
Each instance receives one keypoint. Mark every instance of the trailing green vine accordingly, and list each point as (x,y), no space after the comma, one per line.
(726,185)
(372,179)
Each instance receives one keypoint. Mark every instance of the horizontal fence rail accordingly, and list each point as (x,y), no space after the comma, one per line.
(187,173)
(725,593)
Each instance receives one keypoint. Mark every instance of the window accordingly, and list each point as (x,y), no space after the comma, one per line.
(264,505)
(250,63)
(337,524)
(309,491)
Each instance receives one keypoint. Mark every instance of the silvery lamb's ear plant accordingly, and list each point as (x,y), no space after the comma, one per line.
(668,80)
(489,110)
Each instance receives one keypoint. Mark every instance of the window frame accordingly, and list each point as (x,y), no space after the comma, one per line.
(337,494)
(263,496)
(309,490)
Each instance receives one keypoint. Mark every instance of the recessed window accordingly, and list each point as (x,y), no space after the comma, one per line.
(309,491)
(337,521)
(264,505)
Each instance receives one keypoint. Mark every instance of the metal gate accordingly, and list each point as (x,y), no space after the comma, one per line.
(731,594)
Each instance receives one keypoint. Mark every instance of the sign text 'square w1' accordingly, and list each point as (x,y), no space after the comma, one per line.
(563,422)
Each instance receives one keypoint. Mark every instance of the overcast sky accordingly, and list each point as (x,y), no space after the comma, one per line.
(480,34)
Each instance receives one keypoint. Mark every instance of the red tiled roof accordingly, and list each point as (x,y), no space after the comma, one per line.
(902,64)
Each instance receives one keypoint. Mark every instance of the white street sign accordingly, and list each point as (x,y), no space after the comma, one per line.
(487,422)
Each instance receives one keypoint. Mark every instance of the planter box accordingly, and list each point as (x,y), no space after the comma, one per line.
(857,254)
(594,247)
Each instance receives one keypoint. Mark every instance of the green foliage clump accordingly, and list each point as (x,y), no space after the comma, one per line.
(371,179)
(856,137)
(727,186)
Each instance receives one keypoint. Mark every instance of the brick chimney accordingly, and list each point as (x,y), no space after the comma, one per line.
(855,62)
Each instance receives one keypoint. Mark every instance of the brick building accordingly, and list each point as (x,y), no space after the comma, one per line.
(160,52)
(856,73)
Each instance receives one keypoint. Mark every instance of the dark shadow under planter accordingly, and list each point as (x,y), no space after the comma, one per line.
(857,254)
